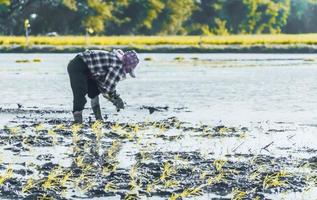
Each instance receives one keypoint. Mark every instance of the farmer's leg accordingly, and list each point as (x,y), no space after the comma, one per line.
(77,71)
(93,93)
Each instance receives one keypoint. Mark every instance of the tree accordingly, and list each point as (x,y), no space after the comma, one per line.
(174,16)
(265,16)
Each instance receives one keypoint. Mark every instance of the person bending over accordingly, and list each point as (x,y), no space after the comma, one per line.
(95,72)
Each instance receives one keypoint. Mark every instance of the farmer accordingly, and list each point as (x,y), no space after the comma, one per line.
(95,72)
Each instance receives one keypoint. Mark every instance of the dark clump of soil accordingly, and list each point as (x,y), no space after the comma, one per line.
(153,109)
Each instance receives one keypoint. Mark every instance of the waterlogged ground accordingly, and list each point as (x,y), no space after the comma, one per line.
(196,126)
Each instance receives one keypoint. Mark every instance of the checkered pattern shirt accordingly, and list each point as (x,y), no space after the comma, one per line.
(105,67)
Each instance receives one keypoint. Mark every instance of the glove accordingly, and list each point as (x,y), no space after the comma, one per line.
(115,99)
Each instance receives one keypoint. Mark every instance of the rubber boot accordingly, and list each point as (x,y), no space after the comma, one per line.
(78,117)
(97,112)
(96,108)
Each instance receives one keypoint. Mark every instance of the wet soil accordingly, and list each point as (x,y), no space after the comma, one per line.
(127,161)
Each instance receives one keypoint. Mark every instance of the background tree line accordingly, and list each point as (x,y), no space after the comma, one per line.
(158,17)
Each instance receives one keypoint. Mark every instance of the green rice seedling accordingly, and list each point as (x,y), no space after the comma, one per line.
(254,175)
(131,196)
(203,175)
(168,169)
(14,130)
(195,191)
(223,130)
(79,161)
(113,150)
(39,128)
(275,180)
(97,129)
(150,188)
(134,186)
(65,178)
(45,197)
(171,184)
(88,185)
(51,180)
(59,127)
(110,187)
(28,185)
(106,170)
(238,194)
(175,196)
(53,134)
(75,128)
(116,127)
(87,168)
(216,179)
(218,164)
(7,175)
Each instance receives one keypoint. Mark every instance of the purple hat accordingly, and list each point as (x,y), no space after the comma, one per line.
(130,61)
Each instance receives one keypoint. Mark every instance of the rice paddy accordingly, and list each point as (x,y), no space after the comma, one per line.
(216,128)
(90,165)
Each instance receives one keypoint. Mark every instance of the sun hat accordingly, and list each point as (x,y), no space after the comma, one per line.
(130,61)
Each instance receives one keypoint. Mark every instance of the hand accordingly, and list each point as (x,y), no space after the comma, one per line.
(115,99)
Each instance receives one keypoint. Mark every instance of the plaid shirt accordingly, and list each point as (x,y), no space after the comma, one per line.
(105,67)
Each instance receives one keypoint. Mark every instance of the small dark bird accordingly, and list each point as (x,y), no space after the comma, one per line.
(19,105)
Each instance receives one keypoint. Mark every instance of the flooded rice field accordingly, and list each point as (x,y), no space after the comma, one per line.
(196,126)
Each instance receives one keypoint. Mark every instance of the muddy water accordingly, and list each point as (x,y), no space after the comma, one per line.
(254,114)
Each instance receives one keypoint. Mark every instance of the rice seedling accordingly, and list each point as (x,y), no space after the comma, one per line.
(188,192)
(65,178)
(28,185)
(275,180)
(106,170)
(79,161)
(238,194)
(75,128)
(217,179)
(45,197)
(203,175)
(39,128)
(53,134)
(150,188)
(131,196)
(168,169)
(113,149)
(51,179)
(110,187)
(218,164)
(97,128)
(171,183)
(116,127)
(14,130)
(59,127)
(7,175)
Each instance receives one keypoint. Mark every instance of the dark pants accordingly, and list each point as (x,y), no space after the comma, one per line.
(81,83)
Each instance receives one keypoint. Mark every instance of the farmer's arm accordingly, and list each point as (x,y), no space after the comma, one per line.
(107,85)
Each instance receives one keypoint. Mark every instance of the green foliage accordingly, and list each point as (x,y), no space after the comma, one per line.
(159,17)
(265,16)
(174,16)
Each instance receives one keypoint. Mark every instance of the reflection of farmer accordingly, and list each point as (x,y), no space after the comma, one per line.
(93,72)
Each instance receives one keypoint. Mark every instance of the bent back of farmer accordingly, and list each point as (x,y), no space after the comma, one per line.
(95,72)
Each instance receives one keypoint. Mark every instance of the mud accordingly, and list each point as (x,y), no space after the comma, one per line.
(91,165)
